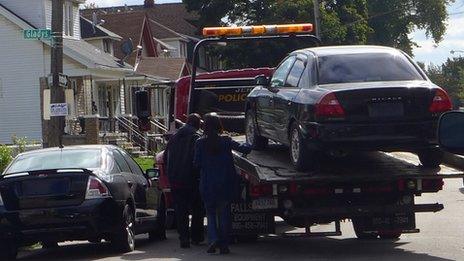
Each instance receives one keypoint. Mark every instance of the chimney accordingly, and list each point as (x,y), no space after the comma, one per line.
(149,3)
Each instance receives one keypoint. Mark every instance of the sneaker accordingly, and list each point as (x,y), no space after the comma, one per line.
(212,248)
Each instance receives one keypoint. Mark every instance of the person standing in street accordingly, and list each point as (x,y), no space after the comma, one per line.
(218,180)
(184,180)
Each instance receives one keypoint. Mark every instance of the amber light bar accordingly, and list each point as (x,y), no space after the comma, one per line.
(257,30)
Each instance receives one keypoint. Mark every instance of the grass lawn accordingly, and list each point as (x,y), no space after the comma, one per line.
(145,163)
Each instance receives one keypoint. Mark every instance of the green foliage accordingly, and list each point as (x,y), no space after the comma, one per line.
(393,20)
(5,157)
(21,142)
(145,163)
(384,22)
(450,76)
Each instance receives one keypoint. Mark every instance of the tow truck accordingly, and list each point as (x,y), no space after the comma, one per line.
(377,191)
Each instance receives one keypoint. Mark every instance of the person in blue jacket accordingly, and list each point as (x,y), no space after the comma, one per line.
(218,180)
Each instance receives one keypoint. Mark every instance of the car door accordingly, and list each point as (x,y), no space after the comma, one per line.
(265,101)
(284,107)
(141,189)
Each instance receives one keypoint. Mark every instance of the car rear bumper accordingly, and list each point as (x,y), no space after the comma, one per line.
(379,136)
(93,218)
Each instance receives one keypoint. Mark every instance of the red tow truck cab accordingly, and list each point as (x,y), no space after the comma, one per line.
(228,89)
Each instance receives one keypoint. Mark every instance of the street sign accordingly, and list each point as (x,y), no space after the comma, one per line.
(36,34)
(58,109)
(63,80)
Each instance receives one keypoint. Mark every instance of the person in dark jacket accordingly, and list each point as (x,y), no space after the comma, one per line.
(184,181)
(218,180)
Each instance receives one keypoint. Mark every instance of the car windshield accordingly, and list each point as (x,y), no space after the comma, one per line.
(79,158)
(345,68)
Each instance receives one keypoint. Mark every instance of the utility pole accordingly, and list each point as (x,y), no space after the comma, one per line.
(317,18)
(56,127)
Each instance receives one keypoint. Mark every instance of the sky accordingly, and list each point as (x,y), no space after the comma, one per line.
(427,52)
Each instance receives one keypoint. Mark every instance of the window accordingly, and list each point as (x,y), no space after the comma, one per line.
(281,72)
(295,73)
(132,164)
(107,45)
(68,19)
(1,89)
(367,67)
(120,161)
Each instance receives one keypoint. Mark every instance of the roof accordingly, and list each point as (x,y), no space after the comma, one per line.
(172,15)
(88,30)
(78,50)
(170,68)
(349,49)
(91,56)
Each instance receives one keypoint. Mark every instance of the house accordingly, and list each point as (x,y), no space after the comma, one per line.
(166,34)
(96,76)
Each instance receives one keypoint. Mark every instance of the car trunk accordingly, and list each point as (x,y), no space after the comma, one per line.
(44,189)
(386,102)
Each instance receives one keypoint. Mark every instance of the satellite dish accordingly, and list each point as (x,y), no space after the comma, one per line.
(127,47)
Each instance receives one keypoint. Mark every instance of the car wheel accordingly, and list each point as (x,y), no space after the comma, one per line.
(302,158)
(389,235)
(8,250)
(159,230)
(124,239)
(431,158)
(359,230)
(253,138)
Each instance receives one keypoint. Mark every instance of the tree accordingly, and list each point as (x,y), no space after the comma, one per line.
(149,3)
(392,21)
(91,6)
(450,76)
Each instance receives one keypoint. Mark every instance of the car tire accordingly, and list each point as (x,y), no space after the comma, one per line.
(431,158)
(8,250)
(253,138)
(124,239)
(158,232)
(302,158)
(359,228)
(389,235)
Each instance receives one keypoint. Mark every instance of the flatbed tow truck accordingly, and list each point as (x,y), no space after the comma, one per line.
(377,191)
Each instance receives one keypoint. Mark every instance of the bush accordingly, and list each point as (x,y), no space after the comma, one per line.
(5,157)
(21,142)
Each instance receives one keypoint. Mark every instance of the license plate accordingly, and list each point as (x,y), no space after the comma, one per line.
(396,221)
(264,203)
(45,187)
(386,109)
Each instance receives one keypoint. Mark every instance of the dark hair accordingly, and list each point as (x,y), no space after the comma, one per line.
(212,130)
(194,120)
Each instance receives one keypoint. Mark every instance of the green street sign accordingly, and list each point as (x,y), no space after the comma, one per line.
(36,34)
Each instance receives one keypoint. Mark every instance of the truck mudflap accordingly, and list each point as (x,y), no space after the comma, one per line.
(248,221)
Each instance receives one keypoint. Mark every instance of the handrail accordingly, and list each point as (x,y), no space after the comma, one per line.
(159,125)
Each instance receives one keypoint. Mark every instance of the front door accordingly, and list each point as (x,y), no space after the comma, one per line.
(284,106)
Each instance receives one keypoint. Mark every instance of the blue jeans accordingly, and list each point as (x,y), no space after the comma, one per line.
(219,222)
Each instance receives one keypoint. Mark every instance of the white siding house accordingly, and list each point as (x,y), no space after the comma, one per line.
(25,61)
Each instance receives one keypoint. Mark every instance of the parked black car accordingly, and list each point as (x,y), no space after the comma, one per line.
(89,192)
(347,98)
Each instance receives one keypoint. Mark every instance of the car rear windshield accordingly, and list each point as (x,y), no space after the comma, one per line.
(79,158)
(344,68)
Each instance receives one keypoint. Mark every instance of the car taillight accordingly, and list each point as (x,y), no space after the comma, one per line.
(441,102)
(96,189)
(260,190)
(329,107)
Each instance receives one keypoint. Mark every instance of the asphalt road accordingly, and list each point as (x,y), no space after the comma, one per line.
(441,238)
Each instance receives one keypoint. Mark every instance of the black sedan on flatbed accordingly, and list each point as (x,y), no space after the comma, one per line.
(347,98)
(89,192)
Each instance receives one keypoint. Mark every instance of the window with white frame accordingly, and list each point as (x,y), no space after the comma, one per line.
(68,19)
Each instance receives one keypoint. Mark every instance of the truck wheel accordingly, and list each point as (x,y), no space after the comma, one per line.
(302,158)
(431,158)
(8,250)
(256,141)
(359,228)
(124,239)
(391,235)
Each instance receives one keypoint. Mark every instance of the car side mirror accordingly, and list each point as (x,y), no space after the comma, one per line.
(451,132)
(153,174)
(262,80)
